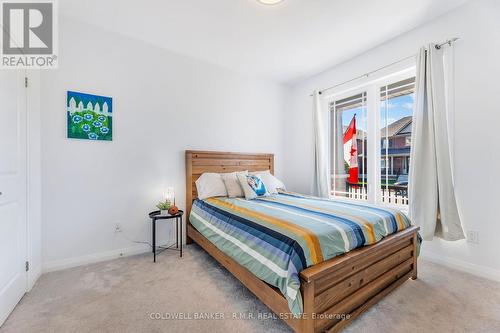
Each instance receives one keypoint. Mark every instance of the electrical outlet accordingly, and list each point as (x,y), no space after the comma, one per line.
(473,237)
(118,228)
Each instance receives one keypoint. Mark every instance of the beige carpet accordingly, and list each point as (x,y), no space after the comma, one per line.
(121,295)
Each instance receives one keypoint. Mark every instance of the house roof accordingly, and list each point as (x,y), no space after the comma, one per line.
(395,127)
(396,151)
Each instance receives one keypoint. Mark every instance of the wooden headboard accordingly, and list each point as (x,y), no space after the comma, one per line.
(198,162)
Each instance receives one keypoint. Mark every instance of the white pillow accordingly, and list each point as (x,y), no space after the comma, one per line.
(253,186)
(257,172)
(210,185)
(232,183)
(272,183)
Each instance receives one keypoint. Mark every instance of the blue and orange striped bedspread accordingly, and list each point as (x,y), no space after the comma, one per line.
(278,236)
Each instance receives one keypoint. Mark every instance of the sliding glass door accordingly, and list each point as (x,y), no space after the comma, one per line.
(370,140)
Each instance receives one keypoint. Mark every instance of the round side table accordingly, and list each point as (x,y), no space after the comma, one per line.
(156,215)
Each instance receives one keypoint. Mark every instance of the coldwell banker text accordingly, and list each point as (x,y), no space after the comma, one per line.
(29,37)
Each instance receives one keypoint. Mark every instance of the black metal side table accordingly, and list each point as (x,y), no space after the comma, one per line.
(156,215)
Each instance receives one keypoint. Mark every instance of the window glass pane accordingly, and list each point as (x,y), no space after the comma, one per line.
(396,111)
(348,147)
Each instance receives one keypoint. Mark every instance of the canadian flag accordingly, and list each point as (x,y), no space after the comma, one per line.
(351,151)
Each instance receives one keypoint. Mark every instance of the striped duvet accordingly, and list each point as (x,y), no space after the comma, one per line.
(278,236)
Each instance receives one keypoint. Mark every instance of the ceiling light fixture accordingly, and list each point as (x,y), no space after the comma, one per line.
(270,2)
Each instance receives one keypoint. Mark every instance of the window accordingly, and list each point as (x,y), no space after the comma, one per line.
(372,123)
(396,111)
(349,148)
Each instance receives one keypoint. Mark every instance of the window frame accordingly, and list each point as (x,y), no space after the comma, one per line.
(342,95)
(371,85)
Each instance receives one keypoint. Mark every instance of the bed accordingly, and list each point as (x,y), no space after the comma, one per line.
(332,287)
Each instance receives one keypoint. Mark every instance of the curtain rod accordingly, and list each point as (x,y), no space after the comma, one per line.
(437,46)
(448,42)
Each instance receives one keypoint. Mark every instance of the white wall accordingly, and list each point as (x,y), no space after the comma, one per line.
(163,104)
(477,117)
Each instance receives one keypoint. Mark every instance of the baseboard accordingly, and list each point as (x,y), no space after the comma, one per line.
(33,275)
(57,265)
(460,265)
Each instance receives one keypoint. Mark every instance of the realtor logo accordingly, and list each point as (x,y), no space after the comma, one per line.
(29,34)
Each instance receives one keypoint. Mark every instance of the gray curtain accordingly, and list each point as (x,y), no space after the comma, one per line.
(433,205)
(321,177)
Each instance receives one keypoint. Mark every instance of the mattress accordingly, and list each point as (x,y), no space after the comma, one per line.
(278,236)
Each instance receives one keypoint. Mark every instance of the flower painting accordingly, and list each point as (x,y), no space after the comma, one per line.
(90,117)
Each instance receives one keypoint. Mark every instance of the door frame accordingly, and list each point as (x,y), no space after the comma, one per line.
(34,177)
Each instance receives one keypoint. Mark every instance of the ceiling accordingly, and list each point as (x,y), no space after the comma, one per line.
(284,42)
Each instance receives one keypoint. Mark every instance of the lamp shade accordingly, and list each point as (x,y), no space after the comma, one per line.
(169,195)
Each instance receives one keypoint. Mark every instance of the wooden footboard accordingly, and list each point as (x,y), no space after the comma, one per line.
(338,290)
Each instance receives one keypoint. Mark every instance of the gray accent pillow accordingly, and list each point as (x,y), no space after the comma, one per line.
(233,186)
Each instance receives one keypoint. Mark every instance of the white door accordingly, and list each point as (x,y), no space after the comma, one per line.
(13,160)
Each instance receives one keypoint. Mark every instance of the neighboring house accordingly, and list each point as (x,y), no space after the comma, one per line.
(395,147)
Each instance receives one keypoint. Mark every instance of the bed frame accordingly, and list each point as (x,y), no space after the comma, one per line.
(334,292)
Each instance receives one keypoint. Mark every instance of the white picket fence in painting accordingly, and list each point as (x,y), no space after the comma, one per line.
(72,108)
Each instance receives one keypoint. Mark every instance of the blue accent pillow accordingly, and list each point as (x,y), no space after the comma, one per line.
(252,186)
(257,185)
